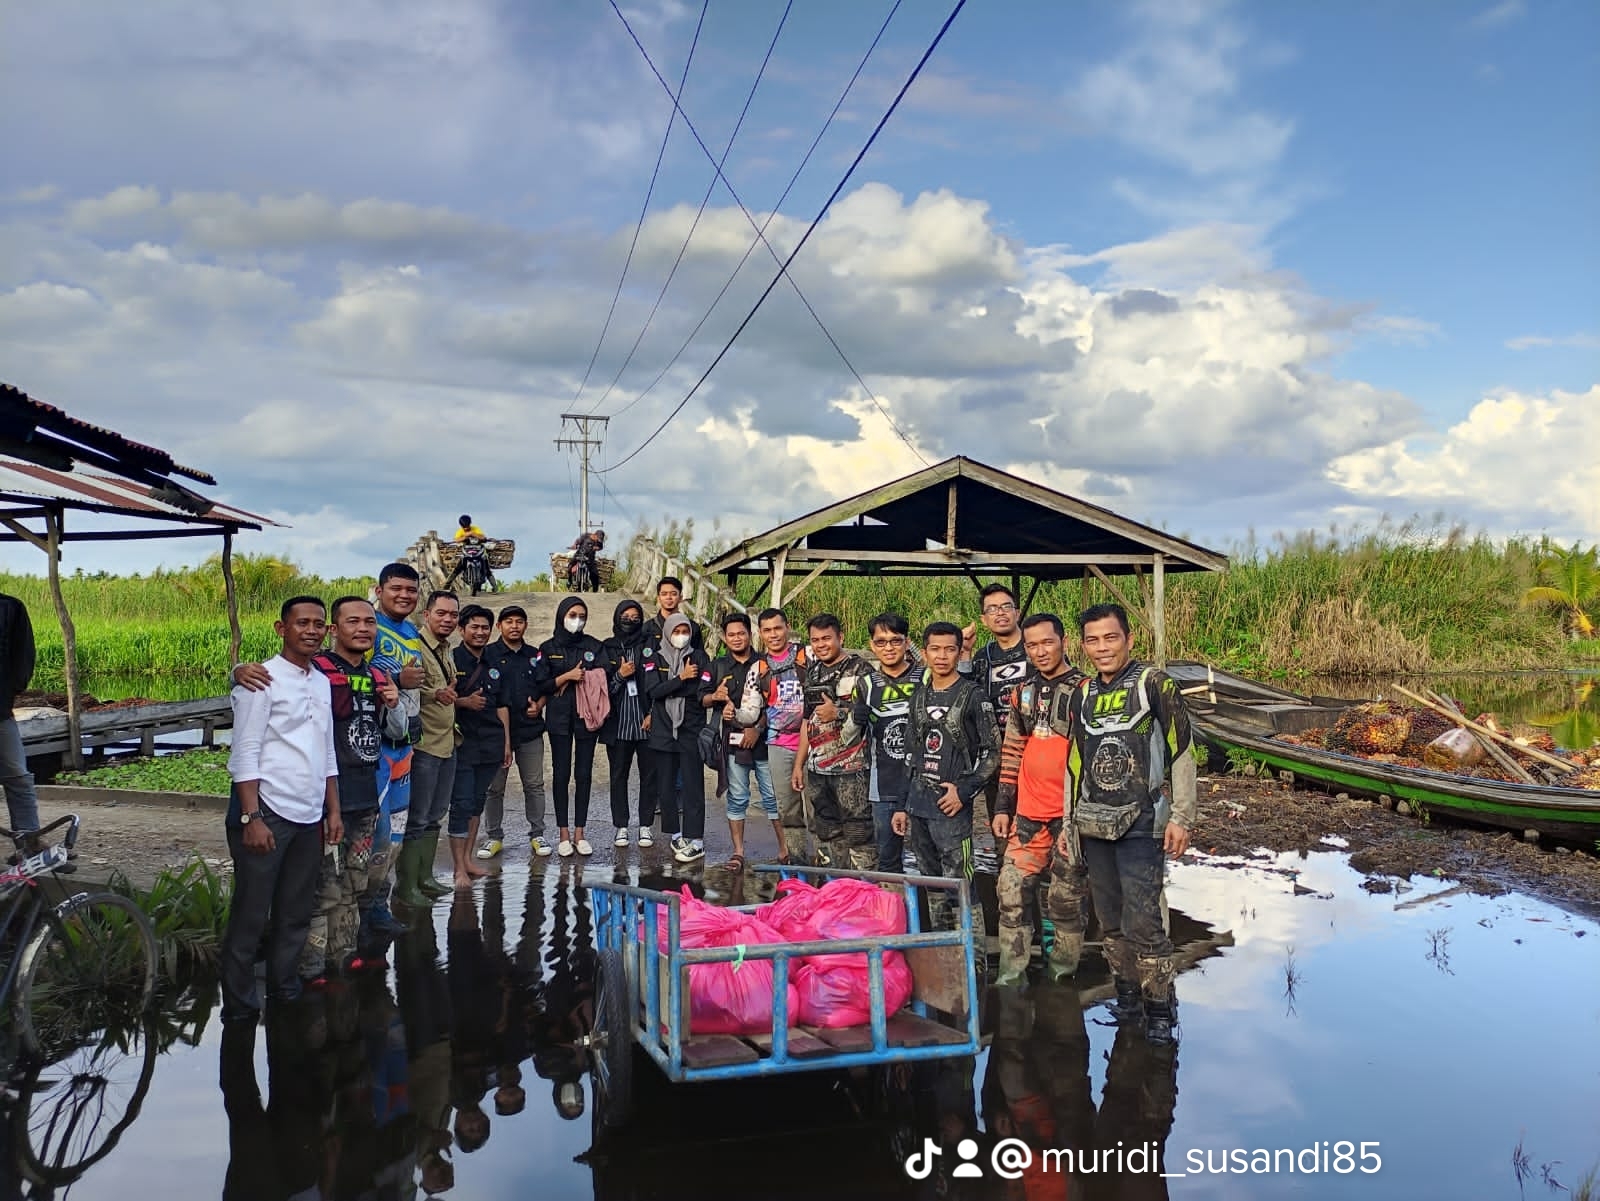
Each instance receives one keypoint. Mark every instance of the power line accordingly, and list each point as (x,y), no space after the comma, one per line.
(777,207)
(704,200)
(783,267)
(645,208)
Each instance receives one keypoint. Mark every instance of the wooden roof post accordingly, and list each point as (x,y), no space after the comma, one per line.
(69,637)
(1159,607)
(779,561)
(235,634)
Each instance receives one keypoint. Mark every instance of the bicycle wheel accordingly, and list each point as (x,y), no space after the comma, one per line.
(90,969)
(68,1116)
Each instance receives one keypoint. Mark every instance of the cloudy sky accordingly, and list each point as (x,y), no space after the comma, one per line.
(1222,267)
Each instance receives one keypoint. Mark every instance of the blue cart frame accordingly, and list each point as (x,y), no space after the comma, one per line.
(642,993)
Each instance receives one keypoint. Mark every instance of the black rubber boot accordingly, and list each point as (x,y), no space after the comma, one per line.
(1128,1008)
(1160,1022)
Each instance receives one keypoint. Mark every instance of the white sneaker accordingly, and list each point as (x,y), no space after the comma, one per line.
(646,837)
(564,849)
(539,847)
(584,847)
(621,840)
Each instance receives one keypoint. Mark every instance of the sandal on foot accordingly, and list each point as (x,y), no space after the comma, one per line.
(735,864)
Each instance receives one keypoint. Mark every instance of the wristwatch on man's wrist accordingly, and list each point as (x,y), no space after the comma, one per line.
(246,818)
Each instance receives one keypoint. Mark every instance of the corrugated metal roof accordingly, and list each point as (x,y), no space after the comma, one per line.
(17,403)
(20,481)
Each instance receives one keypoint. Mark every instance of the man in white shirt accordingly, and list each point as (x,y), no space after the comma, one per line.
(285,804)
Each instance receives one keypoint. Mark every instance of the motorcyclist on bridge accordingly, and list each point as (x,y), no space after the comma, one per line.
(467,532)
(586,549)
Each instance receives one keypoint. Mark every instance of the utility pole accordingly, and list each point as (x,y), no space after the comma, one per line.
(590,432)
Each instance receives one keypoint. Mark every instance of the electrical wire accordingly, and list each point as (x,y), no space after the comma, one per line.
(645,208)
(777,207)
(783,268)
(704,201)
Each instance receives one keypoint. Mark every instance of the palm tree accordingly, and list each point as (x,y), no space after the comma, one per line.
(1569,582)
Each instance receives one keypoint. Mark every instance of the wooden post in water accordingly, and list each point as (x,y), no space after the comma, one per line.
(53,520)
(235,634)
(1159,607)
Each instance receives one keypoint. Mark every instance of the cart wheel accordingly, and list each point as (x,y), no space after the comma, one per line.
(611,1044)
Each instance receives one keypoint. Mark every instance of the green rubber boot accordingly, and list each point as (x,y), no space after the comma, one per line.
(405,877)
(426,883)
(1065,951)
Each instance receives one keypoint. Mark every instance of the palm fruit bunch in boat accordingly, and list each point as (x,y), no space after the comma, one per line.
(1426,725)
(1374,728)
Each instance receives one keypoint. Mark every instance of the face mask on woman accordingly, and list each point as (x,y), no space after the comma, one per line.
(680,641)
(574,624)
(630,625)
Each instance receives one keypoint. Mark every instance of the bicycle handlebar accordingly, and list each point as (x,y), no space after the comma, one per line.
(71,820)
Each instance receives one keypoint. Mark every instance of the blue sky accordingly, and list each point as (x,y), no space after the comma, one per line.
(1221,266)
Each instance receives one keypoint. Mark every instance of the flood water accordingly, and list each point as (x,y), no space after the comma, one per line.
(1459,1034)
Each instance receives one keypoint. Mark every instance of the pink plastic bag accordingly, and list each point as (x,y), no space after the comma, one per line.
(726,998)
(835,990)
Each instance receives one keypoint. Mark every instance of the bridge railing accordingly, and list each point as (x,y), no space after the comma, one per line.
(704,599)
(423,554)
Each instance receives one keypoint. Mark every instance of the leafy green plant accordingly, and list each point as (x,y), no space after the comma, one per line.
(1242,763)
(204,772)
(188,912)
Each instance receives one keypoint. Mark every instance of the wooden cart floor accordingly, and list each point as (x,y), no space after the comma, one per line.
(814,1042)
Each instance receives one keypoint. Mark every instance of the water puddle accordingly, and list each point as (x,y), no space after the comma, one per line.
(1451,1038)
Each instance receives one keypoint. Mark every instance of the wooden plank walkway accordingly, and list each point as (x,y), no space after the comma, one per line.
(141,724)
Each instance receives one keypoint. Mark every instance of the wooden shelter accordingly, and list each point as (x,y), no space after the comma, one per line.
(51,463)
(962,517)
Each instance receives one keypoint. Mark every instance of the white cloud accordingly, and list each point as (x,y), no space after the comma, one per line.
(1498,15)
(393,390)
(41,194)
(1544,341)
(1174,93)
(1414,331)
(1518,462)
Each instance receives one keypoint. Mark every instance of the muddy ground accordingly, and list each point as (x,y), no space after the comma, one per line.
(1238,817)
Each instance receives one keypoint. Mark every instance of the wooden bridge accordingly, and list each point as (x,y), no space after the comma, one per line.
(130,728)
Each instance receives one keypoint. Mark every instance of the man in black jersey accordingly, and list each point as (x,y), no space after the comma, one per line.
(883,705)
(1133,795)
(954,750)
(999,665)
(366,709)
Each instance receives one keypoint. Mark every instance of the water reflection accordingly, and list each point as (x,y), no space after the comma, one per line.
(461,1073)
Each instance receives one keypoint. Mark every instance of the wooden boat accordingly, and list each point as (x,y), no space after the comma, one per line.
(1235,714)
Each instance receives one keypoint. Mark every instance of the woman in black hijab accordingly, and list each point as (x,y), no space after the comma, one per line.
(565,656)
(626,732)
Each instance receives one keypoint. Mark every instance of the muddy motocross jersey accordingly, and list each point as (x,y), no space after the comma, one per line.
(1033,755)
(952,739)
(837,747)
(999,672)
(883,704)
(1130,738)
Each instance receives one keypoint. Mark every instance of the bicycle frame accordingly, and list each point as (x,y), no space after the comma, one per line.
(27,905)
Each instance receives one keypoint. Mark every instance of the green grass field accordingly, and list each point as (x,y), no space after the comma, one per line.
(1402,598)
(1396,600)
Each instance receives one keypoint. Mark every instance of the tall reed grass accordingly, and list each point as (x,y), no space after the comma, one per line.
(1407,597)
(168,623)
